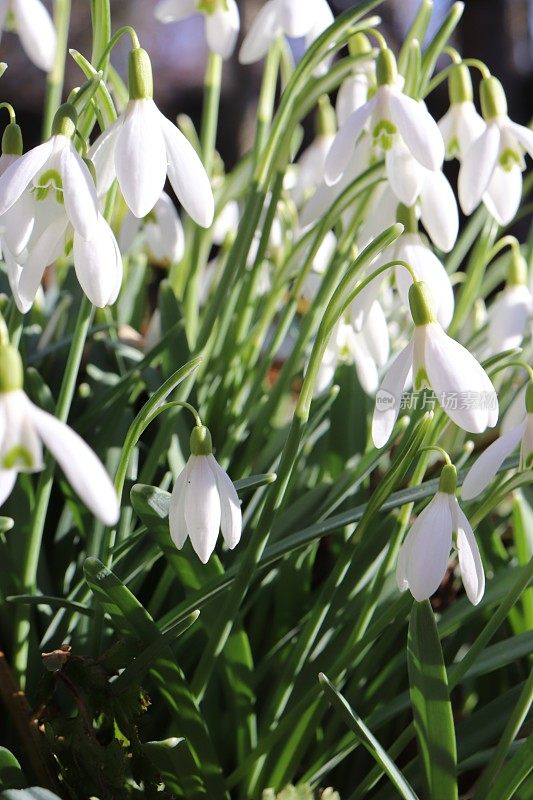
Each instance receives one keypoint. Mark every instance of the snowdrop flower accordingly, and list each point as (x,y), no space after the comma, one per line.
(17,223)
(226,222)
(461,125)
(461,385)
(424,555)
(24,428)
(353,91)
(512,310)
(204,501)
(222,22)
(143,145)
(491,169)
(162,230)
(293,18)
(55,167)
(394,118)
(310,166)
(35,28)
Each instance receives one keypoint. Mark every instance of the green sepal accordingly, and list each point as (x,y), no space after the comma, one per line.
(12,140)
(386,69)
(460,85)
(517,269)
(448,479)
(201,443)
(140,78)
(421,304)
(493,100)
(65,121)
(11,369)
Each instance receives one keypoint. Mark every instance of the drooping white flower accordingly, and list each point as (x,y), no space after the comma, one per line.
(424,555)
(226,222)
(353,91)
(459,382)
(24,428)
(310,165)
(204,501)
(55,167)
(293,18)
(16,224)
(34,25)
(143,146)
(162,231)
(222,21)
(491,169)
(392,117)
(461,125)
(512,310)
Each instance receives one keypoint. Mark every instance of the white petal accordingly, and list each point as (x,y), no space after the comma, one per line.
(388,397)
(102,154)
(36,31)
(7,481)
(438,210)
(18,223)
(418,129)
(230,507)
(176,512)
(165,237)
(489,462)
(524,136)
(262,33)
(83,469)
(353,94)
(447,128)
(43,252)
(187,175)
(470,126)
(515,412)
(460,383)
(222,30)
(14,271)
(508,317)
(429,269)
(140,157)
(20,448)
(472,573)
(17,177)
(96,264)
(79,192)
(405,173)
(202,507)
(296,16)
(503,194)
(376,334)
(477,167)
(131,225)
(429,549)
(175,10)
(343,145)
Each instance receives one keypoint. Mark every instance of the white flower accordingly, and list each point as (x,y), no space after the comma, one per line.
(17,223)
(35,28)
(460,384)
(142,146)
(310,168)
(162,230)
(508,318)
(424,555)
(491,169)
(55,167)
(489,462)
(226,222)
(460,127)
(294,18)
(222,22)
(24,429)
(204,501)
(393,117)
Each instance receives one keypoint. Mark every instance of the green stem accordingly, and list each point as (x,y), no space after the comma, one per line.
(42,495)
(56,77)
(267,97)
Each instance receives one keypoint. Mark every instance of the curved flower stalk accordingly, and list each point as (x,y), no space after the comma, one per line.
(204,501)
(491,169)
(24,428)
(292,18)
(461,126)
(393,118)
(461,385)
(222,21)
(484,470)
(161,229)
(35,28)
(424,555)
(143,146)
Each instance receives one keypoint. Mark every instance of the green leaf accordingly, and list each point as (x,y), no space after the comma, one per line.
(176,765)
(430,700)
(11,775)
(366,737)
(513,774)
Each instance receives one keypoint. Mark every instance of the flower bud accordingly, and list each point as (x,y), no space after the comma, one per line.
(201,443)
(65,121)
(386,70)
(517,270)
(448,479)
(12,140)
(421,304)
(11,371)
(460,85)
(140,79)
(358,45)
(493,100)
(326,121)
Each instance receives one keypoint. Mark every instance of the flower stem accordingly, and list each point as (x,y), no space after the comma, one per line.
(42,495)
(56,77)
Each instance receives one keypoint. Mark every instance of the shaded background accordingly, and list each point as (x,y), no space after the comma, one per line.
(499,32)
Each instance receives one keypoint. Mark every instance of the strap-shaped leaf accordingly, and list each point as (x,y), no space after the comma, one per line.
(11,775)
(430,700)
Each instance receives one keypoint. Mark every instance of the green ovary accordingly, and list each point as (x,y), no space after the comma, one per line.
(51,179)
(211,6)
(508,159)
(383,134)
(17,456)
